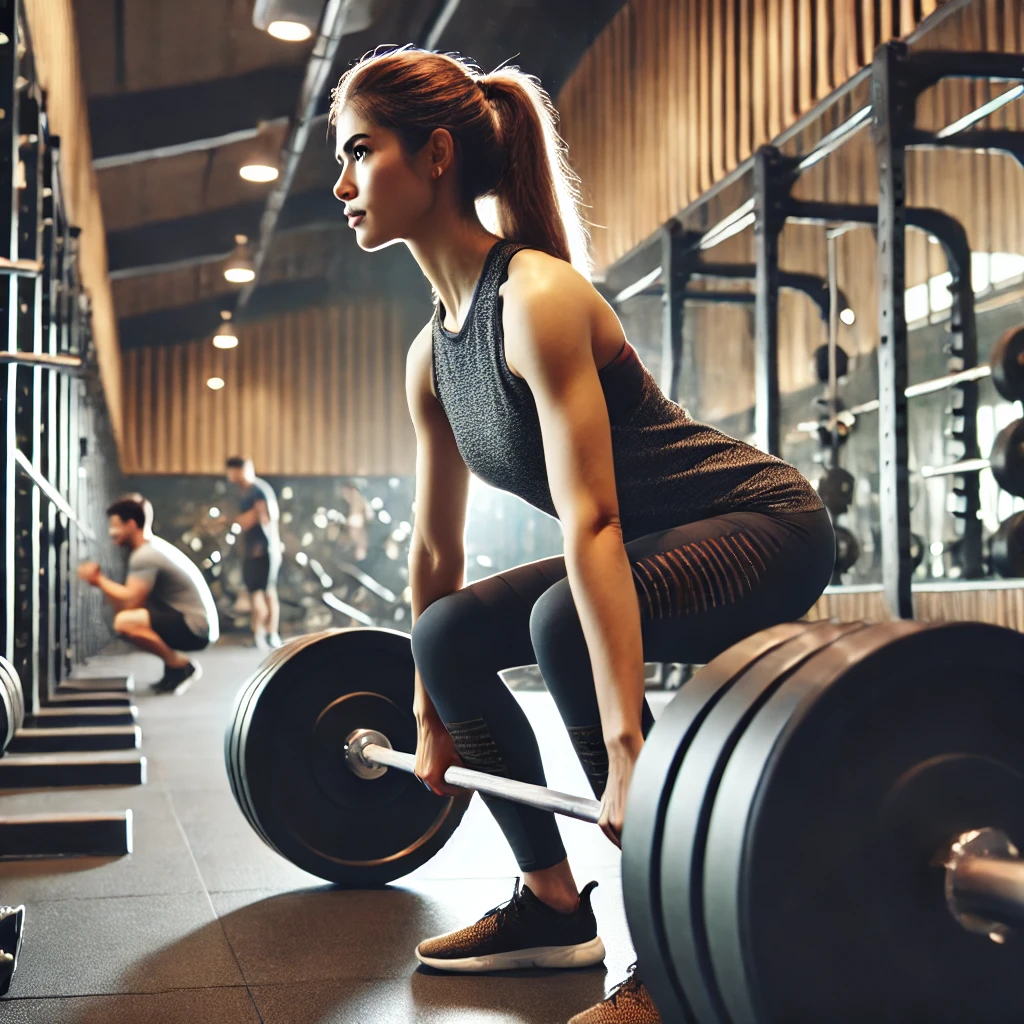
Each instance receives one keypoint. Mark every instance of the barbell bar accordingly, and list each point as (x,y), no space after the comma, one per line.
(1006,461)
(1005,366)
(369,754)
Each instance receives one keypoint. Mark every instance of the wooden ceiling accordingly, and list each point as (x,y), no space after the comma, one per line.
(182,92)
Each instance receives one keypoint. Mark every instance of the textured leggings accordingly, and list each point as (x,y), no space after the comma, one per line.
(701,588)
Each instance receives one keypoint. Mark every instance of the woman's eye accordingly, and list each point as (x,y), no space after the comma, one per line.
(358,152)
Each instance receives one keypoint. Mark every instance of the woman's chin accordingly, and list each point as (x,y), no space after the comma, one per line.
(371,242)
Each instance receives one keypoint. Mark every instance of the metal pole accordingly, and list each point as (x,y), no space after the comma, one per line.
(892,107)
(767,225)
(675,277)
(368,748)
(833,340)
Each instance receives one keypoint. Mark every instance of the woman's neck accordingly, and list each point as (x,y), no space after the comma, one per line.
(452,260)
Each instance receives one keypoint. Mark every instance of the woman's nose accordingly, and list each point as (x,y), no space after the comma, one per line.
(343,189)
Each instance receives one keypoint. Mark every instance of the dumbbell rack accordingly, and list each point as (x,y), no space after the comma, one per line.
(58,732)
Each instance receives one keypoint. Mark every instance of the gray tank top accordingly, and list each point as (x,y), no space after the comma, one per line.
(669,469)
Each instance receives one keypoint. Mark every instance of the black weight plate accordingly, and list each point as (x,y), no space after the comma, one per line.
(847,549)
(6,718)
(648,797)
(836,488)
(1007,458)
(13,683)
(1007,551)
(689,809)
(1007,362)
(233,734)
(821,899)
(294,782)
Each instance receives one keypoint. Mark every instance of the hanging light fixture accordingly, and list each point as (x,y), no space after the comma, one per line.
(289,31)
(239,268)
(215,383)
(258,172)
(225,336)
(262,164)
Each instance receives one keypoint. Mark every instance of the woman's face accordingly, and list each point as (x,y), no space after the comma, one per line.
(385,191)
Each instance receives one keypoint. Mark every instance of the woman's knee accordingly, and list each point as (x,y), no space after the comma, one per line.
(555,627)
(444,636)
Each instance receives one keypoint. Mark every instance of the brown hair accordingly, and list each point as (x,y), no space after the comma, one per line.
(505,130)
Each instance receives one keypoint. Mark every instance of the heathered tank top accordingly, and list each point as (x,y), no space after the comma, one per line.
(669,469)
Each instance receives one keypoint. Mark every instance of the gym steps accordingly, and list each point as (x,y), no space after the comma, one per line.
(98,699)
(65,770)
(72,717)
(116,684)
(66,835)
(76,738)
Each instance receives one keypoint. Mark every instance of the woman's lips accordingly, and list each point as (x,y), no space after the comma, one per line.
(355,219)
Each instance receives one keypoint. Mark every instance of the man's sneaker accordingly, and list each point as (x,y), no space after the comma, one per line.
(523,932)
(274,639)
(261,642)
(627,1003)
(178,680)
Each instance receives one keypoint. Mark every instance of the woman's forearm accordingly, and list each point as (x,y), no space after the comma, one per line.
(431,577)
(605,598)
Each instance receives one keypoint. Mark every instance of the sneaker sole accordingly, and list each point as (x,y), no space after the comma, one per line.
(584,954)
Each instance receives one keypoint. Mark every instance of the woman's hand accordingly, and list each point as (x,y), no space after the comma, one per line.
(435,753)
(622,755)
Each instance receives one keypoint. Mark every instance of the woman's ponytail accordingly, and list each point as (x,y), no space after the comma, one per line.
(537,195)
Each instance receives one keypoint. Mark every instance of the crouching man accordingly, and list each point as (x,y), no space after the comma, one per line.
(164,605)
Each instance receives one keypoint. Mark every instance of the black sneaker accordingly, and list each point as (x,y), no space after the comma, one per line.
(523,932)
(178,680)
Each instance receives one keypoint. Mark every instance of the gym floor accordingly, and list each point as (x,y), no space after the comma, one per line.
(203,922)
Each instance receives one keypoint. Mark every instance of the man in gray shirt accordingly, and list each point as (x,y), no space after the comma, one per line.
(164,605)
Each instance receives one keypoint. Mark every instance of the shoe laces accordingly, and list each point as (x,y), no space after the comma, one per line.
(629,986)
(511,906)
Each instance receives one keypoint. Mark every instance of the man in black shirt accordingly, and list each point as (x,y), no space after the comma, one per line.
(261,548)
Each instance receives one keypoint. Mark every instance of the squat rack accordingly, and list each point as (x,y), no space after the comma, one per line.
(897,77)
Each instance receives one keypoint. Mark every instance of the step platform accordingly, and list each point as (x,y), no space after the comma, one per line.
(67,770)
(51,717)
(66,835)
(76,738)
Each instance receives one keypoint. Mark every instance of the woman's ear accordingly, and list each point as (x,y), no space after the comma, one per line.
(440,150)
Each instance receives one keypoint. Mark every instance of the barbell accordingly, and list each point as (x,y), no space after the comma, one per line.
(819,826)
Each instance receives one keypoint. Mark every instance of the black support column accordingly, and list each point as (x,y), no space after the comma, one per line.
(891,119)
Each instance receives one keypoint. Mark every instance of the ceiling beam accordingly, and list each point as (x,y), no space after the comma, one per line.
(184,241)
(130,127)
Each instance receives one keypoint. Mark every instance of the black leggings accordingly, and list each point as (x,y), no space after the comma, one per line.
(701,587)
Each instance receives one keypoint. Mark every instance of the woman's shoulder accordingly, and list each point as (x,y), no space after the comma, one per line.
(535,277)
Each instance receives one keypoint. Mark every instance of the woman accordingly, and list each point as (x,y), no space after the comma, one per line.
(679,540)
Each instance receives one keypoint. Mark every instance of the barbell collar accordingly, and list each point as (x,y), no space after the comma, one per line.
(985,883)
(541,797)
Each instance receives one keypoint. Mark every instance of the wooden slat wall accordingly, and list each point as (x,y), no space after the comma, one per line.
(1004,607)
(55,50)
(314,393)
(984,191)
(674,93)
